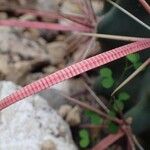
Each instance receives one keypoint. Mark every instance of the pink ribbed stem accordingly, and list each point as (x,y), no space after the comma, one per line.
(73,70)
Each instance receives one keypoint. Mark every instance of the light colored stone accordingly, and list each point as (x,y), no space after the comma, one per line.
(74,116)
(47,4)
(29,123)
(12,40)
(57,51)
(3,15)
(64,110)
(4,67)
(27,17)
(48,145)
(69,87)
(52,95)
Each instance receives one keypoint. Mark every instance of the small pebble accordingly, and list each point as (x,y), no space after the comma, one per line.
(48,145)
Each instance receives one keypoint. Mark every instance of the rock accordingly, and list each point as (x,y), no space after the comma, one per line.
(48,145)
(3,15)
(52,95)
(47,5)
(74,117)
(12,41)
(32,34)
(31,124)
(49,69)
(57,52)
(20,71)
(4,67)
(97,6)
(27,17)
(70,7)
(64,110)
(69,87)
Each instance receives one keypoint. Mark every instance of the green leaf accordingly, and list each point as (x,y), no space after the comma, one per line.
(118,105)
(133,58)
(84,138)
(105,72)
(112,127)
(107,82)
(123,96)
(94,118)
(112,113)
(137,65)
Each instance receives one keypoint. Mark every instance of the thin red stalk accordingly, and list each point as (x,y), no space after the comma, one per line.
(91,11)
(43,25)
(109,140)
(81,4)
(56,15)
(79,21)
(145,5)
(48,14)
(87,106)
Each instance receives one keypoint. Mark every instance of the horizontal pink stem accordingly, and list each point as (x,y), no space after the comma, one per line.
(43,25)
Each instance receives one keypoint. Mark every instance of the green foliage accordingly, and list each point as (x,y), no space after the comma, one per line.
(107,79)
(94,118)
(84,138)
(105,72)
(134,59)
(112,127)
(107,82)
(112,113)
(123,96)
(118,106)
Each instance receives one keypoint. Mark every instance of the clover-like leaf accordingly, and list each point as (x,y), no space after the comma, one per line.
(84,138)
(94,118)
(112,127)
(137,64)
(118,105)
(133,58)
(105,72)
(123,96)
(112,113)
(107,82)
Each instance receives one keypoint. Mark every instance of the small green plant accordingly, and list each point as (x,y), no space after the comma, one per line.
(84,138)
(118,104)
(134,59)
(95,119)
(107,79)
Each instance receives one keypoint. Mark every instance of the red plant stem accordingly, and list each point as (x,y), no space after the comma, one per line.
(109,140)
(91,11)
(72,71)
(89,107)
(56,15)
(145,5)
(43,25)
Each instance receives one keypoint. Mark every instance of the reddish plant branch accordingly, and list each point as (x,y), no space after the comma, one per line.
(43,25)
(145,5)
(109,140)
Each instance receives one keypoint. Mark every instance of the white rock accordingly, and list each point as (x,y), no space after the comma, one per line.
(68,87)
(47,4)
(27,124)
(57,52)
(12,40)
